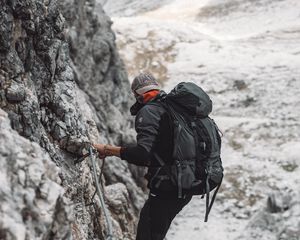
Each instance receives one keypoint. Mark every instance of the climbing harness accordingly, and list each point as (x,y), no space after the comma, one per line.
(98,189)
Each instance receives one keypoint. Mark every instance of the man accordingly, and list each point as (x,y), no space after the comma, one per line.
(154,137)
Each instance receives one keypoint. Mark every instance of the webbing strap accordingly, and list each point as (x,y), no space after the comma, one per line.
(207,187)
(214,196)
(176,137)
(159,159)
(209,205)
(193,124)
(179,182)
(217,128)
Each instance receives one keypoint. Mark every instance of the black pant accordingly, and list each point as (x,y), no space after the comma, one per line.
(156,217)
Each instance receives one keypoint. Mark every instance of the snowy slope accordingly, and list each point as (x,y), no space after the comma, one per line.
(246,54)
(130,7)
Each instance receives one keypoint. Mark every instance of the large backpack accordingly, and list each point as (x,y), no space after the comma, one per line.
(196,166)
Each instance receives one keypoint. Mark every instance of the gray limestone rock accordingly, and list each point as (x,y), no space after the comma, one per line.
(63,85)
(15,93)
(31,196)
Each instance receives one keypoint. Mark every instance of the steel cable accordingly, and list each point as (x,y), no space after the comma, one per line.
(101,198)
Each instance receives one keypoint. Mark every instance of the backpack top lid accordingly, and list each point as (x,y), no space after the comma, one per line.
(192,98)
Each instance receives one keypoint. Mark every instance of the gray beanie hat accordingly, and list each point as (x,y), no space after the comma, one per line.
(144,82)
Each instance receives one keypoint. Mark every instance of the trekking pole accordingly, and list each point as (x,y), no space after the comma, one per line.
(100,195)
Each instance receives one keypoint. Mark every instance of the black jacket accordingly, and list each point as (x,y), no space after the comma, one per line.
(154,135)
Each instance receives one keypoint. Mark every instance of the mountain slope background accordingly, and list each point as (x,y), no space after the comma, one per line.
(246,55)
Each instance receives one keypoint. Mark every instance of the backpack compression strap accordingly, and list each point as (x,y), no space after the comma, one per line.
(209,206)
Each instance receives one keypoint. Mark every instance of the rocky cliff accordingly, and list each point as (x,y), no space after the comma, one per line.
(62,84)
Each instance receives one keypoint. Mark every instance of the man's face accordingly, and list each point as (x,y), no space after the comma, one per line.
(137,96)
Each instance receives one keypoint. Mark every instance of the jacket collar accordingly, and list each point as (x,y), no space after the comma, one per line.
(137,106)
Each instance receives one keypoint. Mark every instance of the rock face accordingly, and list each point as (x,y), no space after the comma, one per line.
(62,84)
(31,195)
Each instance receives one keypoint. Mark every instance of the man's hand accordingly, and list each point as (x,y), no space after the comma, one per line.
(101,149)
(107,150)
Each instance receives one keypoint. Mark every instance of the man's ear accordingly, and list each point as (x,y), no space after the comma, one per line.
(140,98)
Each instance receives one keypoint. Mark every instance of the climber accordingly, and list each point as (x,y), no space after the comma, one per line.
(154,136)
